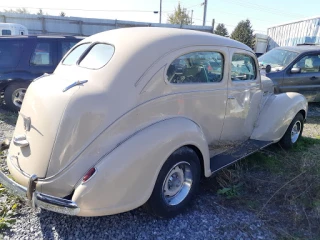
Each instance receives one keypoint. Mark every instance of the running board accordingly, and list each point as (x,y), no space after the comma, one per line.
(232,155)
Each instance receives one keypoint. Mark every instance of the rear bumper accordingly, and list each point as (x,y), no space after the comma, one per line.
(36,199)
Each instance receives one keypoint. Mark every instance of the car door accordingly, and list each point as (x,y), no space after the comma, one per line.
(44,57)
(197,80)
(303,76)
(244,96)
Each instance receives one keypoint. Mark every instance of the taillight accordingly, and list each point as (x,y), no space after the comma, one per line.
(88,175)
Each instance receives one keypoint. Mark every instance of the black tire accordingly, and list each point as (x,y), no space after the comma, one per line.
(286,141)
(157,204)
(8,94)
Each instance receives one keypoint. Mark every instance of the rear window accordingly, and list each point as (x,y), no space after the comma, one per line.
(74,56)
(10,52)
(98,56)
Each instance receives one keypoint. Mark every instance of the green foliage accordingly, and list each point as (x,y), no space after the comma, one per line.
(40,12)
(221,30)
(230,192)
(180,16)
(8,208)
(243,33)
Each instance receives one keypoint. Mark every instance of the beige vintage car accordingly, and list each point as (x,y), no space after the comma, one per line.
(136,116)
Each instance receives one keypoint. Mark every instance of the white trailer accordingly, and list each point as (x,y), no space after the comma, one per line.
(260,43)
(8,29)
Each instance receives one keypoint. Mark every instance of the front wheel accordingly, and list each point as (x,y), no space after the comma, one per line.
(176,184)
(293,132)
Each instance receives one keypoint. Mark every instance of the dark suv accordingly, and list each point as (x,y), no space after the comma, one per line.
(24,58)
(294,69)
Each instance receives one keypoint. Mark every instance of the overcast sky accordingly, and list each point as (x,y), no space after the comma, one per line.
(262,14)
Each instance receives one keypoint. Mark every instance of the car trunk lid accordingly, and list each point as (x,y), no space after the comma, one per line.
(39,119)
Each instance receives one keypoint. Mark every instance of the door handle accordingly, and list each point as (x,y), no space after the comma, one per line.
(313,78)
(230,97)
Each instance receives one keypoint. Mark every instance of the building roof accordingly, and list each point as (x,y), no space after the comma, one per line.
(301,20)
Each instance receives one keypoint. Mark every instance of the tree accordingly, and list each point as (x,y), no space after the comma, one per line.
(18,10)
(180,16)
(62,14)
(221,30)
(243,33)
(40,12)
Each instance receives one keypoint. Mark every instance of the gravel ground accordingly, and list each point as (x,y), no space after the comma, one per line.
(205,219)
(314,109)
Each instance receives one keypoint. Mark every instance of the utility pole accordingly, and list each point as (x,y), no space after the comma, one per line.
(191,16)
(205,12)
(160,11)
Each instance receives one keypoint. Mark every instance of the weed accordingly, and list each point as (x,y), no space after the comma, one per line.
(8,208)
(281,185)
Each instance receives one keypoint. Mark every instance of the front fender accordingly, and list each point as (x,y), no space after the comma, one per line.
(277,114)
(125,177)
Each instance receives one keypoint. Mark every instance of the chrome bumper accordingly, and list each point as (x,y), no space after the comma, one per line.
(36,199)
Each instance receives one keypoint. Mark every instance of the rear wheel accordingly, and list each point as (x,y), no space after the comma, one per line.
(293,132)
(176,184)
(14,95)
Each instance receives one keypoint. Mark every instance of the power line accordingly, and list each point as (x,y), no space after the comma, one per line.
(228,25)
(263,8)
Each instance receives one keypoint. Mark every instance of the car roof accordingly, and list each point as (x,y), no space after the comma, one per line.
(301,48)
(163,38)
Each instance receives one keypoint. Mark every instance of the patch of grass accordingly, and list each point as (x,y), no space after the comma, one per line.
(8,208)
(281,187)
(9,205)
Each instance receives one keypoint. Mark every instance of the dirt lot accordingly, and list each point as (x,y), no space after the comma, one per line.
(273,194)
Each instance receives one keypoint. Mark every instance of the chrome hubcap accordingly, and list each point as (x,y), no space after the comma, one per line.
(18,96)
(177,184)
(295,132)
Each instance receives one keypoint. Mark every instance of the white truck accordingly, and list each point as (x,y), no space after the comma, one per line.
(8,29)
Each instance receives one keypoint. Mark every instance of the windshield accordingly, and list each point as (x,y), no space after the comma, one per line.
(277,58)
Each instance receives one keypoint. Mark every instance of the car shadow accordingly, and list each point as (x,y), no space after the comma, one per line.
(135,224)
(6,115)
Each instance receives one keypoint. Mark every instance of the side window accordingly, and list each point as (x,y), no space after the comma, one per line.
(42,55)
(243,67)
(10,52)
(66,46)
(6,32)
(196,67)
(98,56)
(310,63)
(74,56)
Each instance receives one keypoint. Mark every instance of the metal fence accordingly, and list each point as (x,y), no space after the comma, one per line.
(45,24)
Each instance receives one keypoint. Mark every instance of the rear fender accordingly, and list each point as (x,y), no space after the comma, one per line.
(277,114)
(125,178)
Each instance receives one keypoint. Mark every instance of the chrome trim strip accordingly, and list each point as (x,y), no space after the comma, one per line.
(74,84)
